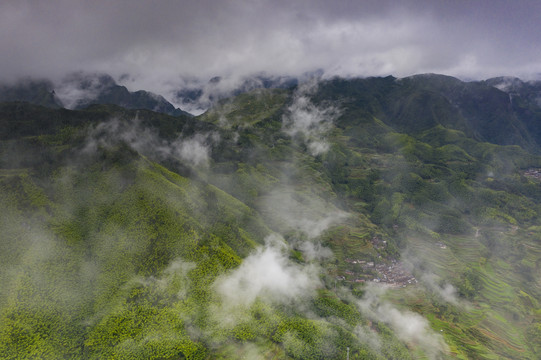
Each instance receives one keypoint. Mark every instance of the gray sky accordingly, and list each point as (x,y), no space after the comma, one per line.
(158,42)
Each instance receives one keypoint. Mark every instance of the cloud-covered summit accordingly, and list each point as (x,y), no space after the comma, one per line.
(154,46)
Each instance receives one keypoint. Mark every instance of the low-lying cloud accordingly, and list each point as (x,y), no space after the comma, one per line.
(194,150)
(310,122)
(269,275)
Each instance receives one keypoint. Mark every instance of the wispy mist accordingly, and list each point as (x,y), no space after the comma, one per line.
(193,150)
(417,264)
(314,251)
(309,122)
(310,215)
(81,88)
(408,326)
(444,290)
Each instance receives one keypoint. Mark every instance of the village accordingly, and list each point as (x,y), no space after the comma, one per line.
(390,272)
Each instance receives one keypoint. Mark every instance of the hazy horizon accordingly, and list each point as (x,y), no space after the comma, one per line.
(163,46)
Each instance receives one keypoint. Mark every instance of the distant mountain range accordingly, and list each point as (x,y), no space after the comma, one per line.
(500,110)
(78,90)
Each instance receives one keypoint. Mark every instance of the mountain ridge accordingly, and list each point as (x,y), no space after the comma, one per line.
(480,108)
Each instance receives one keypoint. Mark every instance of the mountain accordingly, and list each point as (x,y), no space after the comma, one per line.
(79,90)
(379,218)
(418,103)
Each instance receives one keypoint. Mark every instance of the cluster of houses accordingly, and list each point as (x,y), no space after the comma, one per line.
(391,272)
(394,274)
(533,173)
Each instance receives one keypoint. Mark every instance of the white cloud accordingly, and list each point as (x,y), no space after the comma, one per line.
(194,150)
(269,275)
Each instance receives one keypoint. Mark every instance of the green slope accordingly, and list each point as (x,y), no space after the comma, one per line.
(106,254)
(117,244)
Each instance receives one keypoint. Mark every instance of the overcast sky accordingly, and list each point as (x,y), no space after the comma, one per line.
(157,42)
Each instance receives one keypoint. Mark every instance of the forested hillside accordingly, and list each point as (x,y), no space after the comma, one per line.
(378,218)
